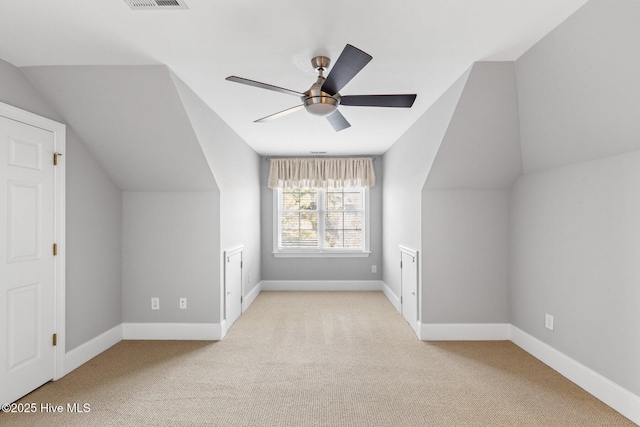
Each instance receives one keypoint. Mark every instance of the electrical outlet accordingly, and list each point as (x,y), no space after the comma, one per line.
(374,268)
(548,321)
(183,303)
(155,303)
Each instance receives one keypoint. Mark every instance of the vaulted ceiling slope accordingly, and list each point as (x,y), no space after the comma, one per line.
(417,47)
(578,88)
(233,162)
(481,146)
(133,120)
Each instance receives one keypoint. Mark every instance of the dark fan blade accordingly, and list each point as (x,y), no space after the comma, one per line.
(401,101)
(263,85)
(280,114)
(338,121)
(349,63)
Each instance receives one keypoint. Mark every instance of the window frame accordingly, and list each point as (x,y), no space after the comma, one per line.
(321,252)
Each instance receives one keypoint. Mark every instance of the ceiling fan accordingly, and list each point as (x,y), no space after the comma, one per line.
(323,99)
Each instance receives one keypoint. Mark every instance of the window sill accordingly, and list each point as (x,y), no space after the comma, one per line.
(323,254)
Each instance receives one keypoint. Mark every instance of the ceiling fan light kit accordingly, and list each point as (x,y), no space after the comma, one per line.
(323,98)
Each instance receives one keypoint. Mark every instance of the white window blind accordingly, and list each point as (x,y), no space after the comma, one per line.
(318,220)
(299,214)
(344,218)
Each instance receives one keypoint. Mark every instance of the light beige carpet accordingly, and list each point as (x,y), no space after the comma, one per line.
(318,359)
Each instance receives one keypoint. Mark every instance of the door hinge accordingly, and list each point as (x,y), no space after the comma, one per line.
(241,300)
(400,300)
(55,249)
(55,159)
(400,264)
(241,264)
(55,339)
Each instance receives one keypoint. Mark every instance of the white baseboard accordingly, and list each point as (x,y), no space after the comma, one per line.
(251,296)
(321,285)
(172,331)
(464,331)
(223,328)
(620,399)
(392,297)
(87,351)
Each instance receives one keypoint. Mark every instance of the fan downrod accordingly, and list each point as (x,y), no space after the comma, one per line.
(315,100)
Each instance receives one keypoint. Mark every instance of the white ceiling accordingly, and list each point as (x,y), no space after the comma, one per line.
(418,46)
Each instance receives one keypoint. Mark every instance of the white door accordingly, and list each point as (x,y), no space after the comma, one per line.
(409,284)
(233,285)
(26,258)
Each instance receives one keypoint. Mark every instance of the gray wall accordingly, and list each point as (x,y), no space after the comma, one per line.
(93,270)
(575,250)
(134,122)
(170,250)
(236,168)
(576,212)
(153,134)
(466,256)
(465,208)
(355,268)
(406,165)
(94,247)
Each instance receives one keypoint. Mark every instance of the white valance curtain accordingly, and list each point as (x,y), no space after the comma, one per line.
(322,172)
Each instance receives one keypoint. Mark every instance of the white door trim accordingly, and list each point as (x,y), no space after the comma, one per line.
(414,254)
(227,254)
(59,185)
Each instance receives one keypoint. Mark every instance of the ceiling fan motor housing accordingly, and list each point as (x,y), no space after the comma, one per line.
(315,100)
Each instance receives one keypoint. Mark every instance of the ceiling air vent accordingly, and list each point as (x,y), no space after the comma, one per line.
(156,4)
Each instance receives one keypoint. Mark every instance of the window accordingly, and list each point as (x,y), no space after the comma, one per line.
(321,222)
